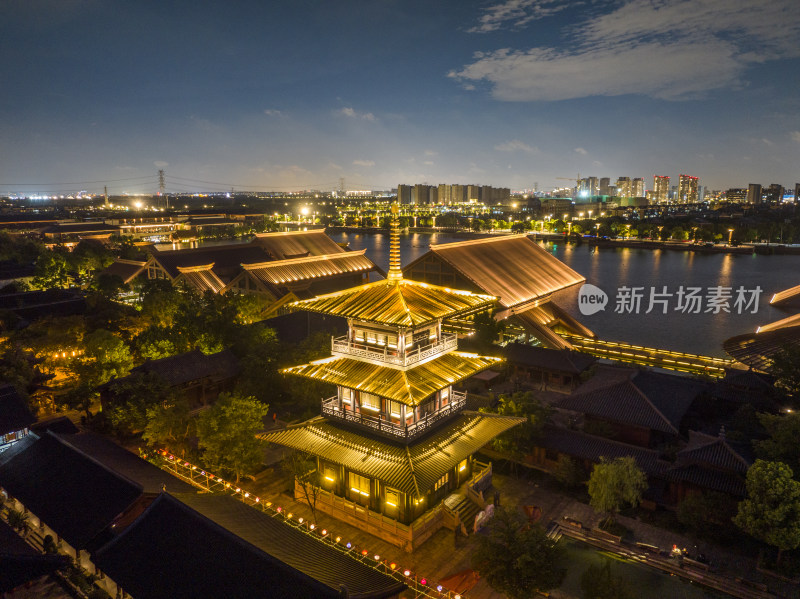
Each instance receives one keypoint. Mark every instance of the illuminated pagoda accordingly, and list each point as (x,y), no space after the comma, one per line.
(395,440)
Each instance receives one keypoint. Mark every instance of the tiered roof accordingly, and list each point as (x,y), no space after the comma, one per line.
(410,387)
(402,303)
(413,469)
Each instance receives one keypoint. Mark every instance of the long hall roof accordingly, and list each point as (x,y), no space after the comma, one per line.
(403,303)
(413,469)
(512,267)
(410,387)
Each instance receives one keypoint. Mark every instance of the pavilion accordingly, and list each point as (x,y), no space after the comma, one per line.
(394,441)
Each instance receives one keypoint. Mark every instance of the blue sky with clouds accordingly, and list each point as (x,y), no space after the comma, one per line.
(296,94)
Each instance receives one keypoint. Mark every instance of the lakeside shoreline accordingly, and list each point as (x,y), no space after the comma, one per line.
(647,244)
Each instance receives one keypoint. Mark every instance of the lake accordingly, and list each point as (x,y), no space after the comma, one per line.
(612,268)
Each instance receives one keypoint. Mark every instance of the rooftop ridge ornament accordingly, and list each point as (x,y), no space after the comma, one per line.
(395,273)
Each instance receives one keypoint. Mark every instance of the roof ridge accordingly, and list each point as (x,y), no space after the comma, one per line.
(60,439)
(438,246)
(651,404)
(413,474)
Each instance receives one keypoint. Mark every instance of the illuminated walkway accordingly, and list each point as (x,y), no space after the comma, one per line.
(648,356)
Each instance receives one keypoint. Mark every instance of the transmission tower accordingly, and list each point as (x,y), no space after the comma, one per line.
(161,186)
(105,195)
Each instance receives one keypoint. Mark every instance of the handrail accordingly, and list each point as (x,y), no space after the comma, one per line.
(330,407)
(342,345)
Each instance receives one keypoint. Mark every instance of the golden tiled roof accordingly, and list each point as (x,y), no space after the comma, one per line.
(202,278)
(403,303)
(410,387)
(413,470)
(514,267)
(281,272)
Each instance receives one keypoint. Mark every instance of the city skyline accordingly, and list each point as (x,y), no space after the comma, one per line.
(507,93)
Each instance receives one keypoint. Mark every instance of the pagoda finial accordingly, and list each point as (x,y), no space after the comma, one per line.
(395,272)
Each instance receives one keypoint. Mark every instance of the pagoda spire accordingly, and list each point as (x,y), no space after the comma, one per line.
(395,273)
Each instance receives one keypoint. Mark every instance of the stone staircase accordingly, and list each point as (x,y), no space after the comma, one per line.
(462,506)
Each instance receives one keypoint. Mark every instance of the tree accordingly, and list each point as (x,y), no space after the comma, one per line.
(227,433)
(520,440)
(106,356)
(517,558)
(302,467)
(487,329)
(52,271)
(614,484)
(569,472)
(785,368)
(706,513)
(782,445)
(771,512)
(132,396)
(171,427)
(599,582)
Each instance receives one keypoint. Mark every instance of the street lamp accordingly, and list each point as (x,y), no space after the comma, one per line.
(730,236)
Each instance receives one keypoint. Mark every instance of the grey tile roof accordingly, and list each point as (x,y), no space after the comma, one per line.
(14,412)
(219,547)
(118,459)
(190,366)
(590,447)
(713,451)
(647,399)
(549,359)
(72,493)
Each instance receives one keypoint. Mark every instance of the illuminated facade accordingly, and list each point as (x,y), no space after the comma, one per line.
(687,188)
(660,189)
(395,439)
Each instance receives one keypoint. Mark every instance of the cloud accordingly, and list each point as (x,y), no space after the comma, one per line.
(581,151)
(364,162)
(431,153)
(795,135)
(428,163)
(669,49)
(272,112)
(516,14)
(515,145)
(160,164)
(767,142)
(353,114)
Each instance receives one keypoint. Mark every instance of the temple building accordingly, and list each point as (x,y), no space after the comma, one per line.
(395,440)
(514,268)
(278,267)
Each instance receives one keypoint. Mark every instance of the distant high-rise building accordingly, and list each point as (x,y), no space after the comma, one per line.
(737,194)
(774,193)
(660,189)
(754,194)
(687,189)
(796,192)
(637,188)
(701,193)
(624,187)
(588,187)
(403,194)
(605,183)
(423,195)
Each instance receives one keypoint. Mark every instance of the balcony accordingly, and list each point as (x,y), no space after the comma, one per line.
(385,428)
(342,346)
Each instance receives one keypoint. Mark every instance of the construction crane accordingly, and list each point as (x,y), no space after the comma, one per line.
(576,179)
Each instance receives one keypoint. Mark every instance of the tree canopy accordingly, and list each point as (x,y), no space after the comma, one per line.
(517,558)
(782,444)
(771,512)
(615,484)
(227,434)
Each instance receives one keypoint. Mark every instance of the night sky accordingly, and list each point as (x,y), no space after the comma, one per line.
(296,94)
